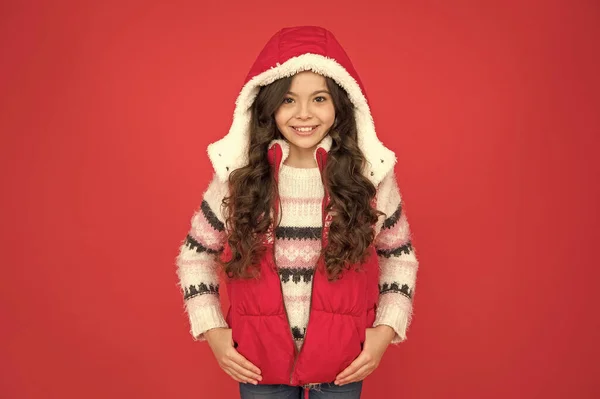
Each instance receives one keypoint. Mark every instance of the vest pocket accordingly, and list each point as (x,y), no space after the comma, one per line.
(332,342)
(266,342)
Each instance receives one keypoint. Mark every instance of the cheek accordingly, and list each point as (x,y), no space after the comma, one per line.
(281,117)
(328,115)
(281,121)
(278,118)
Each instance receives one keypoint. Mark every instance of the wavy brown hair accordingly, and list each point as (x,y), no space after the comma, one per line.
(253,189)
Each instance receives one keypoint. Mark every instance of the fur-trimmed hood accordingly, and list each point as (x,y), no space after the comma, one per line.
(289,51)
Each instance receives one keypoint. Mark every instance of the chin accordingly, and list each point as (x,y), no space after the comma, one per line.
(306,143)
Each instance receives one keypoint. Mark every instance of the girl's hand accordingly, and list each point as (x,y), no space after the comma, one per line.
(230,360)
(376,342)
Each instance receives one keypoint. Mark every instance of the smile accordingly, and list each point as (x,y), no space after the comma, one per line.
(305,130)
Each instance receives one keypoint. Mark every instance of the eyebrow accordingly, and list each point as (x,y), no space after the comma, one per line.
(316,92)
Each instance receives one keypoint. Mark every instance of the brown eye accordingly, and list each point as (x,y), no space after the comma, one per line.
(285,100)
(322,98)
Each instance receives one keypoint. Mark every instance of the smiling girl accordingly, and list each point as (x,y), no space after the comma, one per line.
(304,221)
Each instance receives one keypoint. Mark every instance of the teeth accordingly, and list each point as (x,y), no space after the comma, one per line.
(304,129)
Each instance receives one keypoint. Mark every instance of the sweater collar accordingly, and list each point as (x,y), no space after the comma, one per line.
(282,147)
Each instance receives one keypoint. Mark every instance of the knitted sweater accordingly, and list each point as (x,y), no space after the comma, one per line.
(297,248)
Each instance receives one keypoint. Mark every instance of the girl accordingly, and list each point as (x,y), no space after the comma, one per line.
(304,218)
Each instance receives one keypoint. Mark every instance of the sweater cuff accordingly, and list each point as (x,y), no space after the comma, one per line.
(396,316)
(204,318)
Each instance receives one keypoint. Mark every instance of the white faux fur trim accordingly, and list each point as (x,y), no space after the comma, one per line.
(231,152)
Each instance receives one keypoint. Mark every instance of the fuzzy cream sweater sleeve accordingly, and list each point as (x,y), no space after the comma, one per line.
(196,264)
(397,260)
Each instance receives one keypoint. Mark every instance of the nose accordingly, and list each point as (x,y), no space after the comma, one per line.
(303,111)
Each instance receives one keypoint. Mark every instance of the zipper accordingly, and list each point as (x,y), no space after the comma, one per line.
(276,214)
(287,317)
(312,286)
(314,274)
(296,351)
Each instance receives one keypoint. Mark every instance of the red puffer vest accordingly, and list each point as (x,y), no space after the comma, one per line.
(340,312)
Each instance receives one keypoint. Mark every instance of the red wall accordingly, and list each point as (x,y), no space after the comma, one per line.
(106,111)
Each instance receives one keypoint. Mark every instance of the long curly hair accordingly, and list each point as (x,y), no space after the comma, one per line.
(251,198)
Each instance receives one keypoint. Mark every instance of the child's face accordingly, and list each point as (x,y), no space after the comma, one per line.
(308,103)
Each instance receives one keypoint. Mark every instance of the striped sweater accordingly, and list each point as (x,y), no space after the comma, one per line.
(297,248)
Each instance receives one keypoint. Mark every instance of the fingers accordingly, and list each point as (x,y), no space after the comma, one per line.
(360,361)
(245,373)
(243,362)
(237,376)
(360,374)
(241,369)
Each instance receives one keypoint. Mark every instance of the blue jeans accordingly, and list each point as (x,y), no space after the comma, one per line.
(324,391)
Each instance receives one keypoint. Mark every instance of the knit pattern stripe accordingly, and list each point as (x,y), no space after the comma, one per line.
(297,248)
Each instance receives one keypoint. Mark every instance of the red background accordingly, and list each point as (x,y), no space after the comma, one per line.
(106,111)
